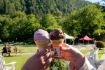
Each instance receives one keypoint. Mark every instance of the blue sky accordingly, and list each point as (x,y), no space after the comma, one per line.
(102,2)
(94,0)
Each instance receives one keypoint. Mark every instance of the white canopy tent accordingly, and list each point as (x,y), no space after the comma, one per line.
(69,37)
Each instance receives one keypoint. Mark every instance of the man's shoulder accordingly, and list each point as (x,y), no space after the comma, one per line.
(67,45)
(29,63)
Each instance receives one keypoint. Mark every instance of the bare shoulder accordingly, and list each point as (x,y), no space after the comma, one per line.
(66,45)
(29,63)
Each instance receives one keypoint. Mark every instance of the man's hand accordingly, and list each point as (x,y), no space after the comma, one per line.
(40,61)
(71,54)
(44,57)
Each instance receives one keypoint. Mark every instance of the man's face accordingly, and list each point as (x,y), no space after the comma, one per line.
(57,42)
(42,43)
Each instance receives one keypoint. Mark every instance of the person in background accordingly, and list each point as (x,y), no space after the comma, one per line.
(42,59)
(77,60)
(15,49)
(4,50)
(9,49)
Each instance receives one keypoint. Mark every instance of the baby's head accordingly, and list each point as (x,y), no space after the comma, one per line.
(57,37)
(41,38)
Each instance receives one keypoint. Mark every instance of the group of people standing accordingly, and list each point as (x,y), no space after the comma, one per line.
(7,49)
(47,43)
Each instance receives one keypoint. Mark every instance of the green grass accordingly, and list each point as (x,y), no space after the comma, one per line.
(27,48)
(85,51)
(100,53)
(22,57)
(23,48)
(20,60)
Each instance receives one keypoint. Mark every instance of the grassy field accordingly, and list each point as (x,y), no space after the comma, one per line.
(25,51)
(100,53)
(20,60)
(85,51)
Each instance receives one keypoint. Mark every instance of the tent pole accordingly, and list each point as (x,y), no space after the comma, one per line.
(73,42)
(88,41)
(65,40)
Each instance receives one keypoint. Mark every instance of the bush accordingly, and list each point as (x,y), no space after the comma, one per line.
(61,64)
(100,44)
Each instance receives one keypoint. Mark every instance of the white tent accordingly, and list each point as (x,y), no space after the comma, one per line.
(68,37)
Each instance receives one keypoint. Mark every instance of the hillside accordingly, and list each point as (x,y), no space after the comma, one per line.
(40,7)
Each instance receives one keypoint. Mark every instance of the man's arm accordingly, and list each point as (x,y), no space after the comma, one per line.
(40,61)
(76,58)
(87,65)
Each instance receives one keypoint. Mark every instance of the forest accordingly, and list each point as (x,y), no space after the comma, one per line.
(20,18)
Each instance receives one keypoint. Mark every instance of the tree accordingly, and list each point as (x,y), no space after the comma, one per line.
(49,22)
(24,25)
(1,6)
(71,24)
(40,7)
(5,22)
(84,21)
(18,27)
(93,18)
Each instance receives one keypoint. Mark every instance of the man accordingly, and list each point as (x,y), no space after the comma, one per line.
(42,59)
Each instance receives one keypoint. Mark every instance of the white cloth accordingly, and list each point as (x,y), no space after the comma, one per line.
(102,66)
(87,66)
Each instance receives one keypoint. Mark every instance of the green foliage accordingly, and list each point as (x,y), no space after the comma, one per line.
(99,31)
(85,21)
(71,24)
(5,22)
(93,19)
(20,18)
(61,64)
(40,7)
(100,44)
(49,22)
(18,26)
(21,58)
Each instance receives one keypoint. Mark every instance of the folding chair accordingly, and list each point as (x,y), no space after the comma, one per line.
(6,66)
(93,57)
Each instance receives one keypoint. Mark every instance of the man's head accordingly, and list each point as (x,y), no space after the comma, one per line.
(57,37)
(41,38)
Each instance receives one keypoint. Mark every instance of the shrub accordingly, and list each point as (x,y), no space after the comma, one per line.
(100,44)
(61,64)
